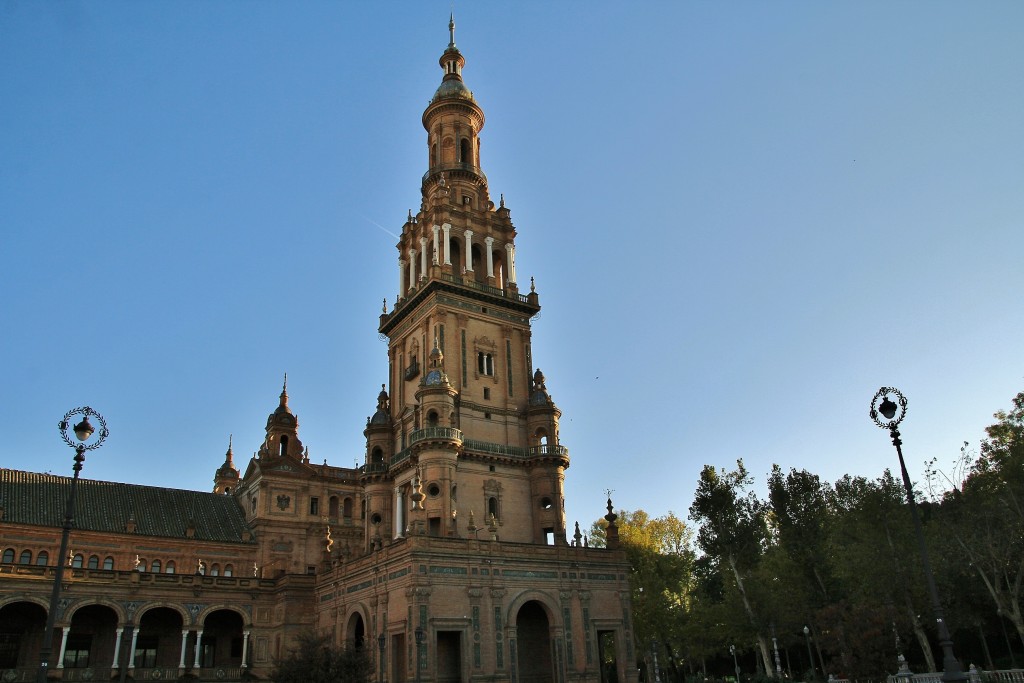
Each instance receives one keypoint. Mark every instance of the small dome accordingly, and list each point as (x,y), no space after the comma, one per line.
(453,89)
(380,417)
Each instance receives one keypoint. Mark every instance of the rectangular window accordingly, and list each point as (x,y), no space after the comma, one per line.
(314,505)
(487,393)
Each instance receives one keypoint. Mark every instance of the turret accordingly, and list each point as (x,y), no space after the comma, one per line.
(225,479)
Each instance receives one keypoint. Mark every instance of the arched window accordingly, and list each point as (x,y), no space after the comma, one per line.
(43,558)
(347,509)
(215,570)
(155,567)
(433,155)
(170,567)
(108,562)
(465,151)
(142,565)
(378,455)
(284,445)
(94,562)
(252,504)
(25,557)
(492,507)
(77,561)
(432,418)
(229,570)
(8,555)
(332,507)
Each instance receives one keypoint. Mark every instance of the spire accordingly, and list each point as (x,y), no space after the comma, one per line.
(451,31)
(228,456)
(284,392)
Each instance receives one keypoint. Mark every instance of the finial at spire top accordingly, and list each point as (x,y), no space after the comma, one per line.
(284,391)
(451,30)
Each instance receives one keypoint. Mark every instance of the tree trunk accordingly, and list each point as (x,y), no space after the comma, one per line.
(761,640)
(922,637)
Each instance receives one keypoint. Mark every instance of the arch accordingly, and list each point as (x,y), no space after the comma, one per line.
(229,570)
(92,634)
(155,566)
(158,643)
(77,561)
(108,562)
(222,606)
(534,637)
(455,248)
(24,622)
(186,619)
(332,507)
(221,644)
(433,155)
(117,609)
(141,566)
(465,151)
(284,445)
(377,456)
(169,569)
(25,557)
(432,418)
(8,556)
(479,267)
(492,508)
(12,599)
(43,558)
(355,628)
(347,508)
(540,437)
(549,604)
(214,569)
(94,562)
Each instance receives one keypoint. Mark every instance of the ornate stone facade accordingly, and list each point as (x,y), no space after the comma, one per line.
(445,553)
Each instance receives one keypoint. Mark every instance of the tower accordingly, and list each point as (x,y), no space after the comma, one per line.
(467,416)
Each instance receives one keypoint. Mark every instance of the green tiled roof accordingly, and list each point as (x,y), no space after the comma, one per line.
(105,506)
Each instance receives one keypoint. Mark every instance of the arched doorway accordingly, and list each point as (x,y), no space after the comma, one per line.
(21,634)
(355,632)
(221,644)
(158,643)
(533,633)
(91,639)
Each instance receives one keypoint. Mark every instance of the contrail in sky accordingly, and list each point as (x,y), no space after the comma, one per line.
(368,220)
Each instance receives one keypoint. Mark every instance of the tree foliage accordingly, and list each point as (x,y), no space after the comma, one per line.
(316,660)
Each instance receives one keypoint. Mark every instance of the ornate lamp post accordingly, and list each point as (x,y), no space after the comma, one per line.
(810,657)
(419,650)
(381,641)
(888,410)
(83,431)
(654,660)
(735,662)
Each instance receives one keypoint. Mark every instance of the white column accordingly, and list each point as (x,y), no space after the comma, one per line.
(63,647)
(423,257)
(131,656)
(245,648)
(489,242)
(199,639)
(401,278)
(184,642)
(510,261)
(399,514)
(437,229)
(469,251)
(117,647)
(447,227)
(412,267)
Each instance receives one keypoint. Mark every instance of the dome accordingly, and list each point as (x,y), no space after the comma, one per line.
(380,417)
(453,89)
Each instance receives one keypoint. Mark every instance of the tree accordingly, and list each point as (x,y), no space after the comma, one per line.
(315,660)
(987,513)
(732,532)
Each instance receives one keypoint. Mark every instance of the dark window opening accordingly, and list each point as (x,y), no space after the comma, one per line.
(145,651)
(314,505)
(76,655)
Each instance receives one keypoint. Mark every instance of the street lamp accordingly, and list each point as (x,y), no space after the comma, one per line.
(419,650)
(83,431)
(778,661)
(654,660)
(732,649)
(381,640)
(810,657)
(951,670)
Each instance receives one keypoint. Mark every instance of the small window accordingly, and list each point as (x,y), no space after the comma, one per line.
(77,561)
(492,507)
(108,563)
(545,503)
(434,490)
(141,566)
(155,567)
(43,558)
(215,570)
(170,568)
(229,570)
(487,393)
(485,364)
(314,505)
(26,557)
(252,505)
(9,555)
(94,562)
(311,570)
(487,416)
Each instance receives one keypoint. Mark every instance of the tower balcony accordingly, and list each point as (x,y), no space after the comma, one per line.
(455,169)
(448,436)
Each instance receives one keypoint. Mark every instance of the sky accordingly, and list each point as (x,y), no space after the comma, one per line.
(743,219)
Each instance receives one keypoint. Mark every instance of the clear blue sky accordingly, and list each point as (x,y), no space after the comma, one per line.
(743,218)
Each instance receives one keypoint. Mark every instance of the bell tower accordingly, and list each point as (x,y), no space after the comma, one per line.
(465,417)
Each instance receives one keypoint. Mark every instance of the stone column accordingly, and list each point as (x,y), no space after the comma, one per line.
(423,257)
(412,267)
(489,242)
(117,648)
(63,647)
(437,229)
(131,655)
(199,639)
(399,514)
(447,227)
(245,648)
(184,642)
(401,278)
(469,251)
(510,253)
